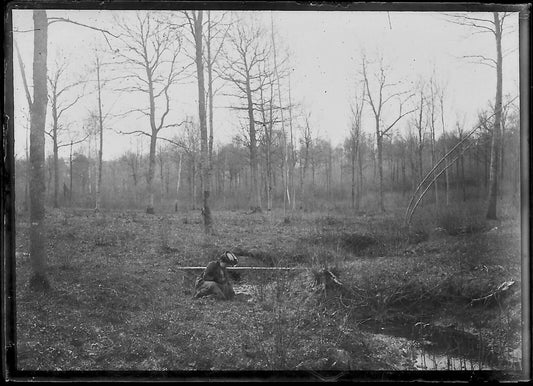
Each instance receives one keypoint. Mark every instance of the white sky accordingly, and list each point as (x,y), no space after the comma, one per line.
(325,50)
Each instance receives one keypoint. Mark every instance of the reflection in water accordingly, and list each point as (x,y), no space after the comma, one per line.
(446,348)
(429,347)
(426,361)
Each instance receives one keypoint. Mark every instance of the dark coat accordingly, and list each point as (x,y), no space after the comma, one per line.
(215,272)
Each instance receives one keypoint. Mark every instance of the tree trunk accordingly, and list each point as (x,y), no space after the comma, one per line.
(204,143)
(360,180)
(353,157)
(56,157)
(150,175)
(446,162)
(210,90)
(101,135)
(293,157)
(462,164)
(71,177)
(502,157)
(433,158)
(38,280)
(178,184)
(255,201)
(493,179)
(28,171)
(380,171)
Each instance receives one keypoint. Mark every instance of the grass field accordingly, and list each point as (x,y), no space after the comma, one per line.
(119,302)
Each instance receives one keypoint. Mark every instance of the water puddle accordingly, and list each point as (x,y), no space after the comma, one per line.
(431,347)
(424,346)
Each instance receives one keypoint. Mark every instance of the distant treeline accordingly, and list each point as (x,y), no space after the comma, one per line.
(321,176)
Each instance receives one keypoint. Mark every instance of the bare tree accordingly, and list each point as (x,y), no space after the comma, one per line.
(378,98)
(278,75)
(432,106)
(195,19)
(494,26)
(269,115)
(150,50)
(59,105)
(215,36)
(188,142)
(354,147)
(418,123)
(292,161)
(28,126)
(306,142)
(461,163)
(265,107)
(440,94)
(242,67)
(101,118)
(39,280)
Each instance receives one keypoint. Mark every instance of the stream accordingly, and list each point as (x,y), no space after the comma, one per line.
(430,347)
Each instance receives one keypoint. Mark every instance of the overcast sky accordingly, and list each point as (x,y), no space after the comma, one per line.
(325,50)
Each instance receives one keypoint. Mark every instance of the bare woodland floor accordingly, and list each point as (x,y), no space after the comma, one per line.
(118,301)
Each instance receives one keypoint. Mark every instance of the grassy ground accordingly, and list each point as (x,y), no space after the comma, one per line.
(118,301)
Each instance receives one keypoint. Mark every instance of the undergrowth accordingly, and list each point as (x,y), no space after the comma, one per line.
(119,301)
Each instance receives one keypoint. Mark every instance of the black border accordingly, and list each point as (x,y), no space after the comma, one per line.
(7,202)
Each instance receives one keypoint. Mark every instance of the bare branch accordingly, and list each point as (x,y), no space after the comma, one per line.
(72,142)
(176,124)
(62,110)
(52,20)
(133,111)
(23,73)
(134,132)
(383,132)
(482,58)
(179,144)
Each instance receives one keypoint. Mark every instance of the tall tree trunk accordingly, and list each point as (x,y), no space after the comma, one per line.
(380,171)
(493,184)
(433,158)
(293,157)
(360,180)
(210,90)
(204,143)
(461,165)
(150,175)
(153,139)
(71,176)
(256,191)
(285,175)
(56,156)
(502,157)
(38,280)
(101,136)
(178,183)
(446,162)
(352,165)
(28,171)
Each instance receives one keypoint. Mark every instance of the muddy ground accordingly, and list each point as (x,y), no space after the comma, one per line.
(120,302)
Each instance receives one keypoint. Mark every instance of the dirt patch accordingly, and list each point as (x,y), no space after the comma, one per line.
(350,242)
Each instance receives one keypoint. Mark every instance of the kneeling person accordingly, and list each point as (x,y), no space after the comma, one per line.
(214,280)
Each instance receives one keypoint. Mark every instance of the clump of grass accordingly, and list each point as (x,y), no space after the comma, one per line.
(457,223)
(329,220)
(456,219)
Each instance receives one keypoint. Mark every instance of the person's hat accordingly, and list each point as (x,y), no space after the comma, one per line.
(229,258)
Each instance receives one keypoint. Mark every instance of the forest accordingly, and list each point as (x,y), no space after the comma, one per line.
(150,141)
